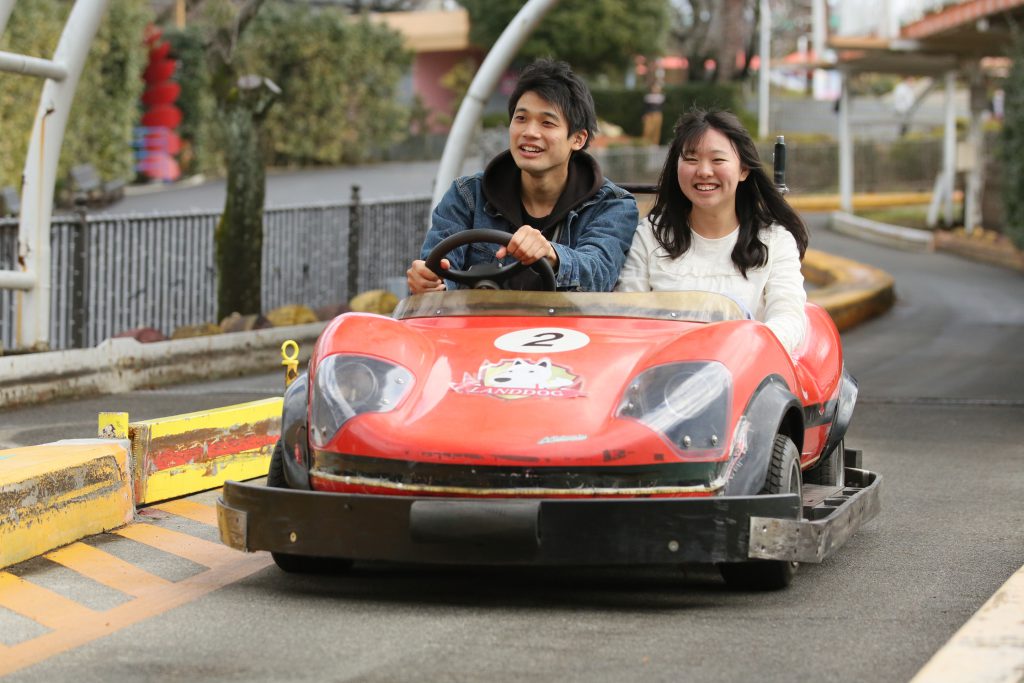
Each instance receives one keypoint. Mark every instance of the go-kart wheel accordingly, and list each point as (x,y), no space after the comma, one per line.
(305,564)
(830,470)
(485,275)
(766,575)
(299,564)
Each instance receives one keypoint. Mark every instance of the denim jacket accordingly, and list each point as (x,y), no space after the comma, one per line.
(591,243)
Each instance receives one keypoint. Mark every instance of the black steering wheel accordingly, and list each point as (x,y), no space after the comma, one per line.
(485,275)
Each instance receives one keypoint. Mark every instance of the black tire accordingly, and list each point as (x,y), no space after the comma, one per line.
(767,575)
(299,564)
(305,564)
(830,470)
(275,475)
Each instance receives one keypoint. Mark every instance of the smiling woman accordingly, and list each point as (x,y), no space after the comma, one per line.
(719,224)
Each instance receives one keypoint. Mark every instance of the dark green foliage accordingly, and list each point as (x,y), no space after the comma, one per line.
(106,104)
(597,37)
(1012,148)
(339,79)
(624,107)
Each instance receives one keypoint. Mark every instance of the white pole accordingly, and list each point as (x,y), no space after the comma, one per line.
(845,148)
(819,28)
(5,13)
(949,148)
(764,75)
(976,141)
(484,82)
(33,328)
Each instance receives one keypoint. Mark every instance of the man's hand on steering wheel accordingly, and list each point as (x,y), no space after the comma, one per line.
(484,275)
(422,279)
(528,246)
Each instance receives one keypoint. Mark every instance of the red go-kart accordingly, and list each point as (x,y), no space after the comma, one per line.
(488,426)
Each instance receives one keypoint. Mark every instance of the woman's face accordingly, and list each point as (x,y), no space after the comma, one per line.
(710,173)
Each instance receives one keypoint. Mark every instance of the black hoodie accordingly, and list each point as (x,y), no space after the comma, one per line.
(502,187)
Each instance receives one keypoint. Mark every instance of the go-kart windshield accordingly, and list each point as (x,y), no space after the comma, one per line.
(689,306)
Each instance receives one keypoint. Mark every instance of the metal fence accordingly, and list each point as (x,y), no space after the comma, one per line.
(114,273)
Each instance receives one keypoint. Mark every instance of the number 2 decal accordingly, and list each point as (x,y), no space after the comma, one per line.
(542,340)
(545,339)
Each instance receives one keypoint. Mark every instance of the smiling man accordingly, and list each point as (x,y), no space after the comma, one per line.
(545,191)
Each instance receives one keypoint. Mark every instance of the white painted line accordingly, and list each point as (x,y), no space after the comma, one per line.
(989,648)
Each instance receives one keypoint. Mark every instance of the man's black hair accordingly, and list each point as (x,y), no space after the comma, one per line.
(556,83)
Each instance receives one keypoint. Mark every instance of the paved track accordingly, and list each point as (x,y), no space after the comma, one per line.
(941,416)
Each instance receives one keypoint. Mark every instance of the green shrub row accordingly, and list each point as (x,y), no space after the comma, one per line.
(338,75)
(106,105)
(625,106)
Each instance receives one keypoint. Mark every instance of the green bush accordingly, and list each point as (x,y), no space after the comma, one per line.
(1012,149)
(625,106)
(339,81)
(106,105)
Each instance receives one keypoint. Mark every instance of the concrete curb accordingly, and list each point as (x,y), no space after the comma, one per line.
(909,239)
(184,454)
(851,292)
(989,648)
(123,364)
(62,492)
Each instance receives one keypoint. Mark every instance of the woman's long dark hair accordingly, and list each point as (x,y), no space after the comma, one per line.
(758,202)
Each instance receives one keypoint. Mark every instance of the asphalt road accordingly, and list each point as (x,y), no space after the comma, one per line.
(941,417)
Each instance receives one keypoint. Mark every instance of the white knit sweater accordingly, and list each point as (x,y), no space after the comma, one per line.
(774,293)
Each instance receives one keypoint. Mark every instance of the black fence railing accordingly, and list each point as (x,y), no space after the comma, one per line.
(111,274)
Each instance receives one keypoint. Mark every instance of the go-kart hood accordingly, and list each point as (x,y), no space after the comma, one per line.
(503,377)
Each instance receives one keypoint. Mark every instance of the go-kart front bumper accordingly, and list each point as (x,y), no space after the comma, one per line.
(544,531)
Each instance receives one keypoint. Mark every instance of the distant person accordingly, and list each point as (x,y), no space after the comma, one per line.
(545,190)
(719,224)
(902,103)
(654,101)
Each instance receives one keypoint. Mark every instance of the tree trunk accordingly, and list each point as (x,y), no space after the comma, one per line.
(239,236)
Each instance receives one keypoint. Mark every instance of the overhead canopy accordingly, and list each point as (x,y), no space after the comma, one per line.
(937,42)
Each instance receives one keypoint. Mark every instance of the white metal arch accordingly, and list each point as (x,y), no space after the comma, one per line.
(60,80)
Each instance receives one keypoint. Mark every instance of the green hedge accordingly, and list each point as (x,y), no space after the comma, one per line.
(1012,150)
(625,107)
(106,104)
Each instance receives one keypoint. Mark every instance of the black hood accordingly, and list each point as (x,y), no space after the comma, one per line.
(502,188)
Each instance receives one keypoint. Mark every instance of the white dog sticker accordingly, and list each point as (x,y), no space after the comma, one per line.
(521,378)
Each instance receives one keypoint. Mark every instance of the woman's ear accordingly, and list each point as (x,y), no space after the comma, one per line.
(744,173)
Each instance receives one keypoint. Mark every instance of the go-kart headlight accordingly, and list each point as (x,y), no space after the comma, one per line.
(686,402)
(346,386)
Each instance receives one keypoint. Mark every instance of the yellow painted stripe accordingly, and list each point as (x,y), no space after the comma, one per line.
(182,481)
(191,548)
(106,569)
(88,628)
(39,604)
(189,509)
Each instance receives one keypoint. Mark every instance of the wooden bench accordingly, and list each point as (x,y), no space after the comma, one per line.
(88,186)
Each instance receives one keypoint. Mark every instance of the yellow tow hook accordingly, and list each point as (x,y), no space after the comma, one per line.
(290,361)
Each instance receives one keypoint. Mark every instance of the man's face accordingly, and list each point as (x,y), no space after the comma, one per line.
(539,136)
